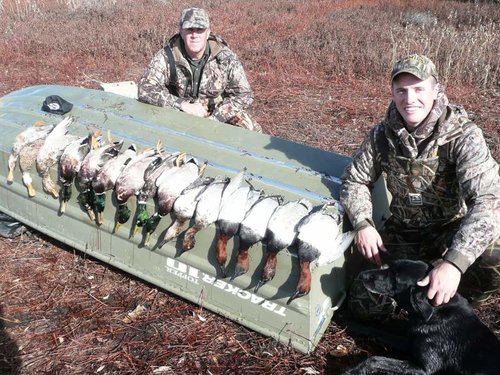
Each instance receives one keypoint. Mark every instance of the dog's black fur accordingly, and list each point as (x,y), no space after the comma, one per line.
(445,339)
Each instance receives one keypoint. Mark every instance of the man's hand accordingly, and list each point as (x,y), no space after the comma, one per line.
(370,244)
(196,109)
(443,282)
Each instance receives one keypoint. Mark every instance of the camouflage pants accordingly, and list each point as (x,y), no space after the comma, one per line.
(243,120)
(479,282)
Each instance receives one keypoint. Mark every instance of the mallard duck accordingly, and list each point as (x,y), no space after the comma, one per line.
(106,178)
(51,151)
(185,206)
(160,166)
(206,212)
(91,165)
(316,237)
(27,157)
(130,182)
(38,131)
(232,211)
(170,187)
(281,233)
(71,162)
(253,229)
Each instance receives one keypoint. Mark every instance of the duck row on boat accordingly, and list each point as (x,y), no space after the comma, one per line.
(177,183)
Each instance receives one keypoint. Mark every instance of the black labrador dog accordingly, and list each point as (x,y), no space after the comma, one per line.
(445,339)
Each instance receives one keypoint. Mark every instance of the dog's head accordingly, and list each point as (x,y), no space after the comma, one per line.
(399,280)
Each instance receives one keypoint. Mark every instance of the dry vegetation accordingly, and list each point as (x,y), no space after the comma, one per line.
(319,71)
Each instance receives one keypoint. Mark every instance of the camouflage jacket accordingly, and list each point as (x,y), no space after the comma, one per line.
(224,88)
(441,172)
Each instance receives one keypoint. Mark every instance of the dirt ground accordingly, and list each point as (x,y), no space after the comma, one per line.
(64,313)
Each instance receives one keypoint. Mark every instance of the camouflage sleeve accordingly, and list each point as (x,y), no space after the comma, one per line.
(153,84)
(237,95)
(479,181)
(357,182)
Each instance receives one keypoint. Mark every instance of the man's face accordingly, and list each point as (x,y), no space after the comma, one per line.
(195,41)
(414,98)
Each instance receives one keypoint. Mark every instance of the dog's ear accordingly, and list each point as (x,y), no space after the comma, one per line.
(420,303)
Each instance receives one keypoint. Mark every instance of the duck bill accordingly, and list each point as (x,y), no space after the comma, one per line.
(223,272)
(147,239)
(135,231)
(10,176)
(304,284)
(91,214)
(100,218)
(31,190)
(62,208)
(259,285)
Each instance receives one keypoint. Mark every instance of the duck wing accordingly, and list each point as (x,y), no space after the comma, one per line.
(106,177)
(281,229)
(131,180)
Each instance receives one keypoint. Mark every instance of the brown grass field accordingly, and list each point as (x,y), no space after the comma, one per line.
(319,69)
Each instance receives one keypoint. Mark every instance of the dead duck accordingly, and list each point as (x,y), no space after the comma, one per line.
(316,237)
(106,178)
(281,233)
(91,165)
(130,182)
(170,186)
(27,137)
(162,165)
(253,229)
(206,212)
(184,207)
(71,162)
(27,157)
(232,211)
(51,151)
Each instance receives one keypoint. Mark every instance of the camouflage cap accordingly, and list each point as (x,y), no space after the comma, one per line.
(418,65)
(194,18)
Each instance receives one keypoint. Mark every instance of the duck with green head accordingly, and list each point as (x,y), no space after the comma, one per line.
(157,168)
(130,182)
(91,165)
(71,162)
(106,178)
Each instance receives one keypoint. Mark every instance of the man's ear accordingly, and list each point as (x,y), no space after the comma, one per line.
(420,303)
